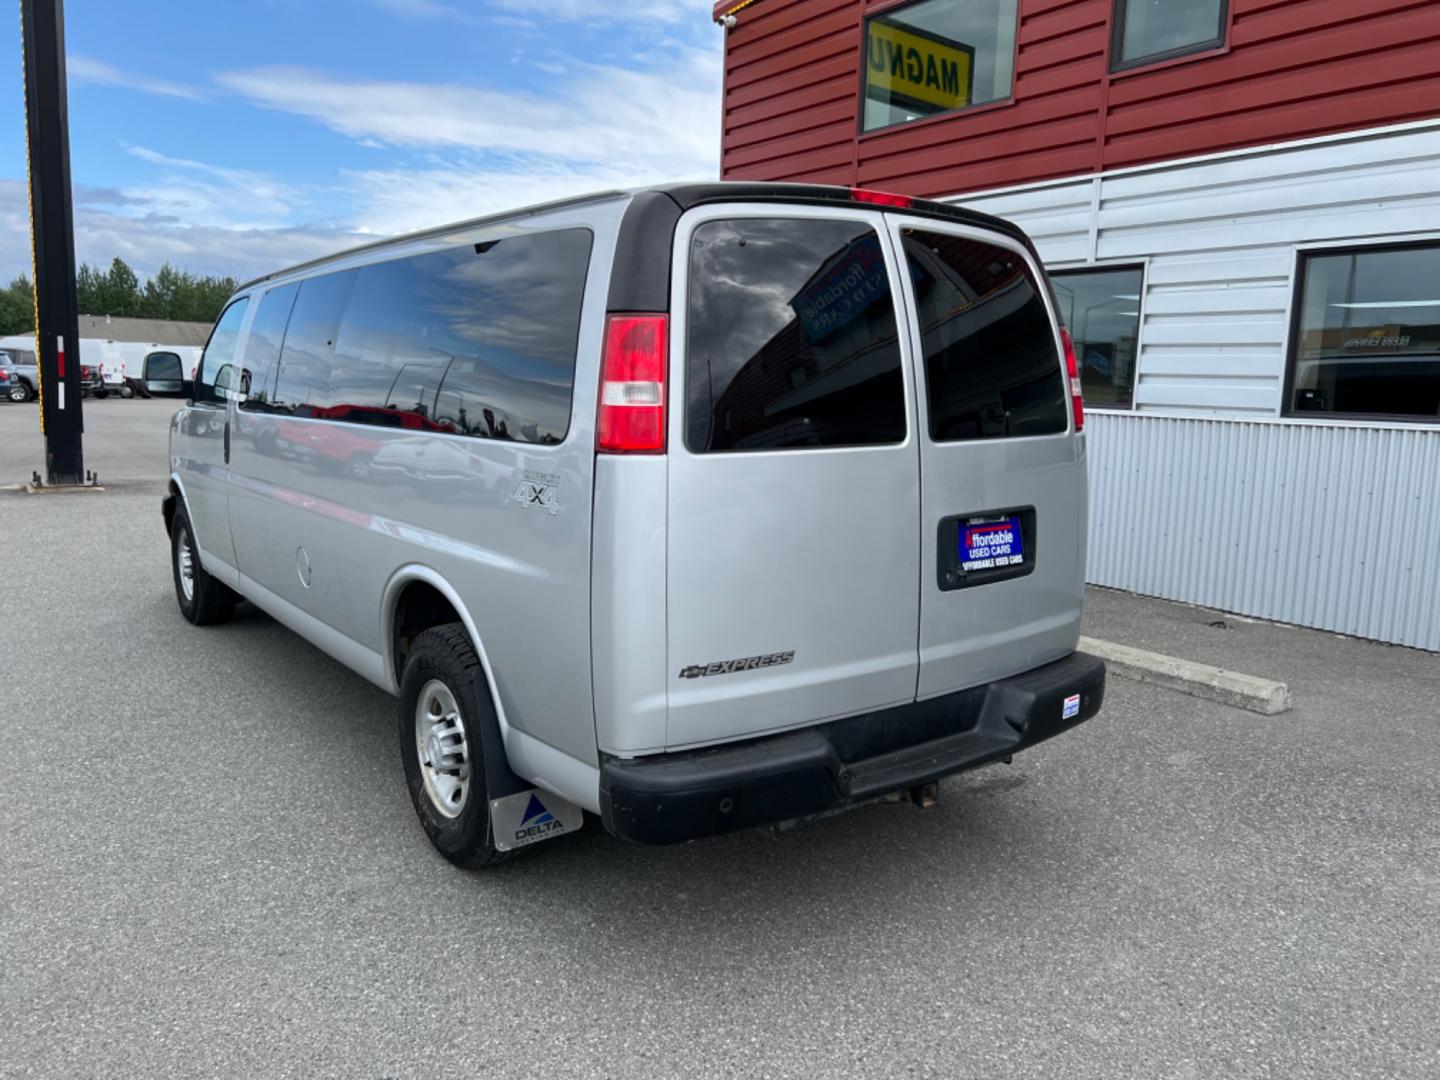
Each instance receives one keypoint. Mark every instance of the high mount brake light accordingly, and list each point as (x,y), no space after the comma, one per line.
(1072,368)
(882,198)
(632,385)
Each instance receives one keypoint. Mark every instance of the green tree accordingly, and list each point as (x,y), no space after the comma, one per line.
(162,293)
(17,307)
(120,294)
(89,287)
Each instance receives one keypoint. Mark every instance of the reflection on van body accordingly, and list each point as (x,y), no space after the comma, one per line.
(555,479)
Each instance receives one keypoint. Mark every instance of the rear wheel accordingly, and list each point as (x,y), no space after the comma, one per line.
(20,392)
(202,599)
(440,715)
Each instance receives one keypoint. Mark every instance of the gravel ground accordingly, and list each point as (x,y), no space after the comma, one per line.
(210,868)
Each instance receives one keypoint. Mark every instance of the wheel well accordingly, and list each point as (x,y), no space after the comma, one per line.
(419,607)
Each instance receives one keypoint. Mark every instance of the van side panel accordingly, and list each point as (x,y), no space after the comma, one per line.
(506,523)
(627,615)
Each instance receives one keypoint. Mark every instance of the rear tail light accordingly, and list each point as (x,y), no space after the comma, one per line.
(4,375)
(632,385)
(1077,400)
(881,198)
(84,372)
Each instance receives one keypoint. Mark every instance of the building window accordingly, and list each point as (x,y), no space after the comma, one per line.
(936,56)
(1101,308)
(1147,31)
(1367,334)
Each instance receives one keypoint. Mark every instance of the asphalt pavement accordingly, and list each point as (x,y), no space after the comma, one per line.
(210,867)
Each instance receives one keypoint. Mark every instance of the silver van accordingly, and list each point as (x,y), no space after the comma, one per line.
(696,509)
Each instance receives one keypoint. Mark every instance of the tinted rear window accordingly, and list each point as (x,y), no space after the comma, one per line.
(791,337)
(991,366)
(476,340)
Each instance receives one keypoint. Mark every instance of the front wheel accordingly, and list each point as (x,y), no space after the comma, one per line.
(440,716)
(20,392)
(202,599)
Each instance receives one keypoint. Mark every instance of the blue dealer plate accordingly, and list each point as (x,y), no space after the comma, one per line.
(993,543)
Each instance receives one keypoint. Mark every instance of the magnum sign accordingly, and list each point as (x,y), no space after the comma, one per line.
(917,70)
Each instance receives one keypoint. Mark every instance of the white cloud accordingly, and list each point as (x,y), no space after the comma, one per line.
(404,200)
(86,69)
(664,120)
(145,239)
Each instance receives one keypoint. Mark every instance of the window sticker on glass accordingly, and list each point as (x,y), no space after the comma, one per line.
(991,543)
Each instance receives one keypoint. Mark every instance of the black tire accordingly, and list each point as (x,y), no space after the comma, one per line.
(210,601)
(21,392)
(445,653)
(102,394)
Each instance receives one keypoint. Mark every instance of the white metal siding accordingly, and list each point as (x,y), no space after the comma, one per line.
(1322,525)
(1203,494)
(1219,238)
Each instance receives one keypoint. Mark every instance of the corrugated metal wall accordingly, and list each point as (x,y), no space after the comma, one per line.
(1336,527)
(1219,239)
(1328,525)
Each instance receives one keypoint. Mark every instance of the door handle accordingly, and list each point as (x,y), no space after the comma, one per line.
(227,442)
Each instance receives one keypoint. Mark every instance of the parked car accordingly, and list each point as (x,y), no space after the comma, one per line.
(25,372)
(92,381)
(759,501)
(11,388)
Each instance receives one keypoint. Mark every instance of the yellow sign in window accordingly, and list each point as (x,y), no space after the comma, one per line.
(917,70)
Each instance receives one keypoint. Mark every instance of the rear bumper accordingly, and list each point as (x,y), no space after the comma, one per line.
(669,798)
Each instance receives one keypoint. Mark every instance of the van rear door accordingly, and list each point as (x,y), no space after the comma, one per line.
(1003,486)
(793,544)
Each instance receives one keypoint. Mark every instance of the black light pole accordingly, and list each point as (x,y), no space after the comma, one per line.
(57,338)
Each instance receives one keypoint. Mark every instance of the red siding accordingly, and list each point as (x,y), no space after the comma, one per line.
(1290,69)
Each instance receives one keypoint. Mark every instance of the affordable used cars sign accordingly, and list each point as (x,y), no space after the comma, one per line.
(911,68)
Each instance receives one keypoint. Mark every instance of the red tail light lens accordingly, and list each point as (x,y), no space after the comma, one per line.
(882,198)
(84,372)
(632,385)
(1077,401)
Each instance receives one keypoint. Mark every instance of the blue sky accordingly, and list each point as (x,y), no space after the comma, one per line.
(240,138)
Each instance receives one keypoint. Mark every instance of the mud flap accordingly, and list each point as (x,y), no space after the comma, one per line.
(527,817)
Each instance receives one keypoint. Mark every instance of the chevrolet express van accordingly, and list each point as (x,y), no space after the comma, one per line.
(698,509)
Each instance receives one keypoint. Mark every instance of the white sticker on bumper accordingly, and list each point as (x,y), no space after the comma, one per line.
(1072,707)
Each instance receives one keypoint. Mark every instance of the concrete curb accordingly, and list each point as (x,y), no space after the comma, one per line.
(1198,680)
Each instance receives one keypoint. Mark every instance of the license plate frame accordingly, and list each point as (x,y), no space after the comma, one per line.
(986,546)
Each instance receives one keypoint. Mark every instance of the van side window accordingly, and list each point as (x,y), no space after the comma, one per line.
(992,369)
(262,347)
(302,381)
(216,375)
(791,338)
(476,340)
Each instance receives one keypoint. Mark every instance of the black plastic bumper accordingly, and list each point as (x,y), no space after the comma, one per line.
(669,798)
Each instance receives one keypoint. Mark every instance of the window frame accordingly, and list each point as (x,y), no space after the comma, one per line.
(677,420)
(1297,314)
(1142,265)
(1119,9)
(889,10)
(199,380)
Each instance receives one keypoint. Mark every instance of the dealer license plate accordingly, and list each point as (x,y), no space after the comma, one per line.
(991,543)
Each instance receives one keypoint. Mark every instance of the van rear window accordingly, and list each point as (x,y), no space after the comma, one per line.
(991,365)
(791,337)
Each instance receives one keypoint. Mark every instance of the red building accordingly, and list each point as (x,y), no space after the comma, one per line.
(1239,203)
